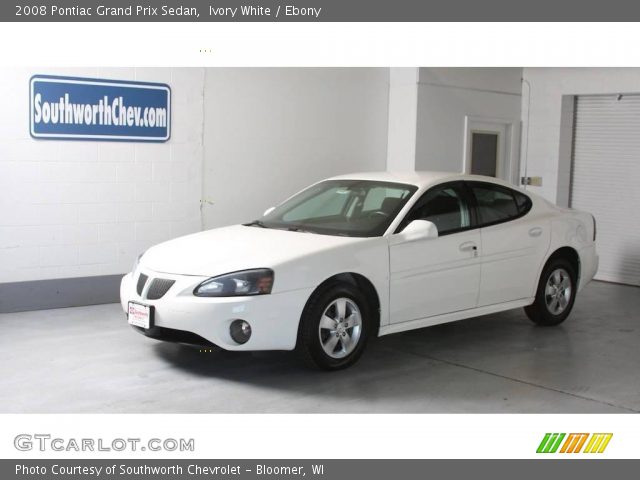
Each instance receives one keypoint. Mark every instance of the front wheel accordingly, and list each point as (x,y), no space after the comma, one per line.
(555,295)
(334,327)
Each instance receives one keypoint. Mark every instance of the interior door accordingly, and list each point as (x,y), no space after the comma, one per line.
(487,149)
(438,275)
(514,243)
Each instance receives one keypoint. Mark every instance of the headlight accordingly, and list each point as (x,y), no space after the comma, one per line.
(246,282)
(137,262)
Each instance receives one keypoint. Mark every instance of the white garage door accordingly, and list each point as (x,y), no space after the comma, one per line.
(606,180)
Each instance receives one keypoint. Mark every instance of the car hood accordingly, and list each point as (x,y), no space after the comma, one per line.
(229,249)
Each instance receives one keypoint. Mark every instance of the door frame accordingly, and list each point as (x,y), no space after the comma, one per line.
(507,163)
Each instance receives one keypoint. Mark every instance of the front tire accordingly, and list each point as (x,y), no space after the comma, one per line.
(334,327)
(555,295)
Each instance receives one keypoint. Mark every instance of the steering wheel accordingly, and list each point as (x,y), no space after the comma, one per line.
(378,213)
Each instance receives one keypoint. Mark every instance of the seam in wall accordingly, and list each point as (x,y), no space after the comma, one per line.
(433,84)
(202,144)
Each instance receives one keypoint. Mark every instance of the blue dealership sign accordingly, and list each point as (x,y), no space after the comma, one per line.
(69,108)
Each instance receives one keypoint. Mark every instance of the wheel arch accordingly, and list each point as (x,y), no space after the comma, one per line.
(362,283)
(568,253)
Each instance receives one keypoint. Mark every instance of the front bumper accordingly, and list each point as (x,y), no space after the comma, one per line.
(182,317)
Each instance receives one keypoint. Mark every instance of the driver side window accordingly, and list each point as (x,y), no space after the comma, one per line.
(444,206)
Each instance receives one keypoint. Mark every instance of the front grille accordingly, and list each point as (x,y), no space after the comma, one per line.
(159,286)
(142,279)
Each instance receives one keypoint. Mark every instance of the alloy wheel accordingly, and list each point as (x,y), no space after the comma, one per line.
(558,291)
(340,327)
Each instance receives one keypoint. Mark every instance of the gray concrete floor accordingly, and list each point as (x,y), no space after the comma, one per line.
(87,359)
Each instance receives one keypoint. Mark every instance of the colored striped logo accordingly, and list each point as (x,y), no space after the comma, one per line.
(574,443)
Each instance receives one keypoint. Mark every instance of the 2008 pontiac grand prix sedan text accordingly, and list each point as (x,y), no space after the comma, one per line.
(361,255)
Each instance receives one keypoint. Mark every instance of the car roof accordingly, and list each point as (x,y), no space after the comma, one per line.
(418,178)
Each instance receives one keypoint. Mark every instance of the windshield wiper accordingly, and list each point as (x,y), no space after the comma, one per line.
(261,224)
(256,223)
(299,229)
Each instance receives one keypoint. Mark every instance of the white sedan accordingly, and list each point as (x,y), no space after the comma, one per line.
(361,255)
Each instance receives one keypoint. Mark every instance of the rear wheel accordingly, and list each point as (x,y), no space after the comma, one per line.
(555,295)
(334,327)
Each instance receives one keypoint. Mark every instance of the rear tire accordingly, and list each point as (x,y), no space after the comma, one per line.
(555,295)
(335,327)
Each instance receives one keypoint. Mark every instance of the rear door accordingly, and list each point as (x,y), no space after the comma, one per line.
(514,243)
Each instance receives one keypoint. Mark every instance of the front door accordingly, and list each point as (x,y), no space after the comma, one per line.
(438,275)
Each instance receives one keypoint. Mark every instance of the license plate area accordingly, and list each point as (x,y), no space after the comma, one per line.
(140,315)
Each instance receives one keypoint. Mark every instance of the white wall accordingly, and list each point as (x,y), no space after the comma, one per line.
(446,96)
(548,85)
(72,209)
(270,132)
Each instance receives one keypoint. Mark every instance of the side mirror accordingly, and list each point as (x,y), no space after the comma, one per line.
(419,230)
(268,211)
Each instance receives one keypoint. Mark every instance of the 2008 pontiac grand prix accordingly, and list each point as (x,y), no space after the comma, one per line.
(361,255)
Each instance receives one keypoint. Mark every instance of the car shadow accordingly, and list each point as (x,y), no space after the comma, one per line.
(410,365)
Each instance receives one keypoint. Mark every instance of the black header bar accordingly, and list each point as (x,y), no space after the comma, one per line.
(530,469)
(319,11)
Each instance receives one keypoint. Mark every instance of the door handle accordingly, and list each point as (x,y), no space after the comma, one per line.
(535,231)
(469,247)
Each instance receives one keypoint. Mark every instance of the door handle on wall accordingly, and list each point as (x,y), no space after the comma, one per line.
(535,231)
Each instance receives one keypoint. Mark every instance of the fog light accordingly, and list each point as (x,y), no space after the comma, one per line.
(240,331)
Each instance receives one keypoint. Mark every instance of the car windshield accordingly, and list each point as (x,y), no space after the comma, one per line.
(354,208)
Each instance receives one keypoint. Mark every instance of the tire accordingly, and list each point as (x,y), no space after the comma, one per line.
(349,338)
(555,295)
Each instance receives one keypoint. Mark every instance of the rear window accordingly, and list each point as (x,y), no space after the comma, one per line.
(499,204)
(523,202)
